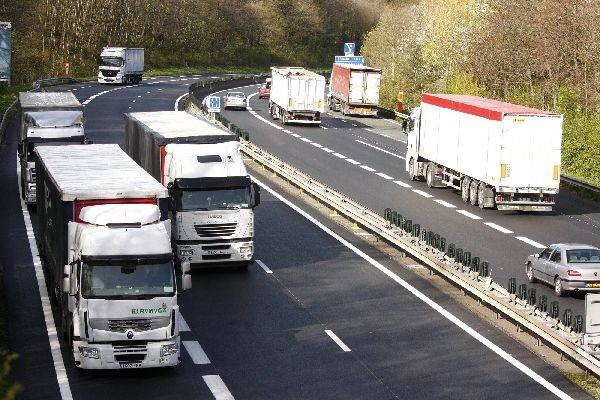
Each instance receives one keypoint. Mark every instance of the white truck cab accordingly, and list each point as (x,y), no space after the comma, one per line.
(121,65)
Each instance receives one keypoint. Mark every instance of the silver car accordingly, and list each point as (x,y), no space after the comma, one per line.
(566,267)
(236,100)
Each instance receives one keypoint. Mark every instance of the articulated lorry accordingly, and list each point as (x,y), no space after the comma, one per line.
(496,154)
(211,195)
(354,89)
(297,95)
(121,65)
(45,118)
(105,245)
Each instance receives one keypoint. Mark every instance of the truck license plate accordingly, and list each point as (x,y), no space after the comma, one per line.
(131,365)
(593,284)
(215,252)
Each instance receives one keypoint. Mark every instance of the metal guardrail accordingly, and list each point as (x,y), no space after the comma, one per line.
(47,82)
(580,184)
(5,119)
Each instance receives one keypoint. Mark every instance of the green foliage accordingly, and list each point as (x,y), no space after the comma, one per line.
(8,389)
(465,83)
(581,146)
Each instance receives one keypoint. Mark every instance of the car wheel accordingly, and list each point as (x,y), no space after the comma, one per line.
(530,273)
(558,287)
(465,189)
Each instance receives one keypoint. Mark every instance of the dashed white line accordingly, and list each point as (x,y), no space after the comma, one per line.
(264,267)
(322,127)
(468,214)
(337,340)
(196,352)
(351,161)
(422,193)
(445,203)
(287,131)
(530,242)
(317,145)
(328,150)
(217,387)
(338,155)
(368,130)
(384,176)
(295,135)
(182,324)
(498,227)
(380,149)
(139,96)
(367,168)
(403,184)
(306,140)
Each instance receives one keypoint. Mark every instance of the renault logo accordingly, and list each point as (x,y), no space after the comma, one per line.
(595,274)
(130,334)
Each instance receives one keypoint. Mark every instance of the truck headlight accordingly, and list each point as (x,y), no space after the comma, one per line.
(169,349)
(186,252)
(89,352)
(246,249)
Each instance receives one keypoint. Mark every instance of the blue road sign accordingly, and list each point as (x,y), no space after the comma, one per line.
(356,60)
(5,49)
(349,49)
(214,104)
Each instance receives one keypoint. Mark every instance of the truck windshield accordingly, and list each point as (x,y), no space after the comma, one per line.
(127,280)
(111,61)
(213,199)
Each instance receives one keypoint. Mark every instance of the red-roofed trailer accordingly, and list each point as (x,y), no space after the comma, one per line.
(354,89)
(497,154)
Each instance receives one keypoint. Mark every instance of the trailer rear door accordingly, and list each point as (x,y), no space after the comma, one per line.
(373,82)
(357,87)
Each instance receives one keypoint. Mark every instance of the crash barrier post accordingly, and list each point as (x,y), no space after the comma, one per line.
(523,291)
(475,264)
(543,303)
(531,296)
(484,269)
(554,309)
(578,324)
(567,319)
(512,286)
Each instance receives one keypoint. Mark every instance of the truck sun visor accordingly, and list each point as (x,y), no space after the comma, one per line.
(209,158)
(212,183)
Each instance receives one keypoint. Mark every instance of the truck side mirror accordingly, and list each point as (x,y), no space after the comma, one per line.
(256,194)
(186,278)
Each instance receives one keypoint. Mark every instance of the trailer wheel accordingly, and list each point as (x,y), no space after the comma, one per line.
(283,118)
(430,174)
(473,189)
(481,196)
(411,170)
(465,186)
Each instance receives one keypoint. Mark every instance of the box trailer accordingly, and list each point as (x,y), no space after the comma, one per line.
(497,154)
(354,89)
(212,196)
(121,65)
(297,95)
(45,118)
(105,246)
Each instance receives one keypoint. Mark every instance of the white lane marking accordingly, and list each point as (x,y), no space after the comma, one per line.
(468,214)
(441,310)
(133,101)
(337,340)
(328,150)
(530,242)
(264,267)
(354,125)
(159,88)
(351,161)
(338,155)
(445,203)
(196,352)
(74,89)
(295,135)
(498,227)
(380,149)
(422,193)
(322,127)
(384,176)
(287,131)
(182,324)
(172,80)
(306,140)
(178,100)
(279,128)
(403,184)
(317,145)
(148,92)
(366,167)
(217,387)
(368,130)
(59,365)
(139,97)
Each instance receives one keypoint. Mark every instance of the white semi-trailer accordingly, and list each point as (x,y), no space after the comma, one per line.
(297,95)
(105,246)
(45,118)
(212,196)
(121,65)
(497,154)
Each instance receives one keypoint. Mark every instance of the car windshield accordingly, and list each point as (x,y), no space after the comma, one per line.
(213,199)
(111,61)
(579,256)
(236,94)
(105,280)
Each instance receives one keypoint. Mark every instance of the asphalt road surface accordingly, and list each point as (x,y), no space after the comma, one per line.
(316,318)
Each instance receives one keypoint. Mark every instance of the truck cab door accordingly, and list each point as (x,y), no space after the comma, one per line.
(412,133)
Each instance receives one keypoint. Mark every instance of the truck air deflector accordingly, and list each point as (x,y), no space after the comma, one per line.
(212,183)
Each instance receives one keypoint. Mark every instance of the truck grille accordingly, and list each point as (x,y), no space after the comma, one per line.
(109,73)
(211,230)
(123,325)
(130,352)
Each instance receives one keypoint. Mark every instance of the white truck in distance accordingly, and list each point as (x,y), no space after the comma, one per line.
(106,250)
(212,196)
(297,95)
(121,65)
(45,118)
(497,154)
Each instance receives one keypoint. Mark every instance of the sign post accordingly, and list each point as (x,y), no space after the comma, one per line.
(5,51)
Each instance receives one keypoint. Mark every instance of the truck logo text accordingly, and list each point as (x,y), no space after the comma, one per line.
(145,311)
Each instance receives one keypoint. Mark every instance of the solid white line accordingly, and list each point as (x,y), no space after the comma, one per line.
(263,266)
(400,183)
(368,129)
(59,365)
(306,140)
(337,340)
(287,131)
(468,214)
(445,313)
(327,149)
(295,135)
(338,155)
(380,149)
(351,161)
(217,387)
(279,128)
(445,203)
(531,242)
(498,227)
(384,176)
(422,193)
(178,100)
(196,352)
(367,168)
(182,324)
(317,145)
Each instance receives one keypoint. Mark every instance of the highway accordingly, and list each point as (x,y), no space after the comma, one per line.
(364,159)
(316,317)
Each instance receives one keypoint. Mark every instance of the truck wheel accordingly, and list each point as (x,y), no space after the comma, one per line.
(473,192)
(430,174)
(283,119)
(465,187)
(411,170)
(480,196)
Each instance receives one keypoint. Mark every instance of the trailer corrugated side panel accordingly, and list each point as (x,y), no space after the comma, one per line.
(297,89)
(134,60)
(340,82)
